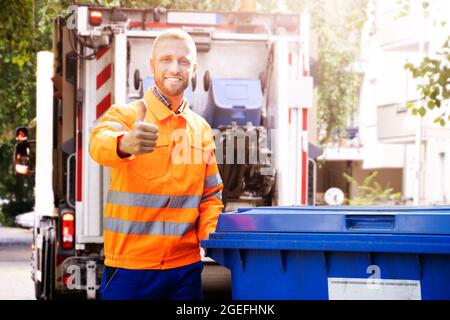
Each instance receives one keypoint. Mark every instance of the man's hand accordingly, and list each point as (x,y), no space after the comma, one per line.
(141,139)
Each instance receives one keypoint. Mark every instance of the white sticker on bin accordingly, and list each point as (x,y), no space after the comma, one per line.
(373,289)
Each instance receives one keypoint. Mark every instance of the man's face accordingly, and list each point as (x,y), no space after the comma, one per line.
(173,66)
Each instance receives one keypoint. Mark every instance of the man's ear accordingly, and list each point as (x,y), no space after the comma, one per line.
(195,68)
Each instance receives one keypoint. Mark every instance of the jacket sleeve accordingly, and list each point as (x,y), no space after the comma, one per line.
(117,121)
(211,202)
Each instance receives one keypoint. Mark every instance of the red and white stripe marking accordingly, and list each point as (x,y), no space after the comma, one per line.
(104,82)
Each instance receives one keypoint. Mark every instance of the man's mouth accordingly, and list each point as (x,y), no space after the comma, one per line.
(172,79)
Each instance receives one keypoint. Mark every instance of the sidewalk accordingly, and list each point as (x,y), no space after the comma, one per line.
(15,269)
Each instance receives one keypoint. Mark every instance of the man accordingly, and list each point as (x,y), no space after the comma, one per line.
(165,193)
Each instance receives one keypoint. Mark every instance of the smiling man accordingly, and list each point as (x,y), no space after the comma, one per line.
(158,207)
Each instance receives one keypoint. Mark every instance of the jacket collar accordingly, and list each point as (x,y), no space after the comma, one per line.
(161,112)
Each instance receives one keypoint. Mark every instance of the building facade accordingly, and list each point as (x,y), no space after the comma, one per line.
(386,135)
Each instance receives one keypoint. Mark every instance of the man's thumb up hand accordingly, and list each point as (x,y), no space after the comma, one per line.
(141,139)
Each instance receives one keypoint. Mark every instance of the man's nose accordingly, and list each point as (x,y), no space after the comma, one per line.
(174,67)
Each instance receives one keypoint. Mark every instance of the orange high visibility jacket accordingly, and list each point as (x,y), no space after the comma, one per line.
(162,203)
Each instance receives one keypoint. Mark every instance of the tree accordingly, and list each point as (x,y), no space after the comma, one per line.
(17,96)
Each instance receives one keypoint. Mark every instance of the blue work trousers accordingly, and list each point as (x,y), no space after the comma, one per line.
(183,283)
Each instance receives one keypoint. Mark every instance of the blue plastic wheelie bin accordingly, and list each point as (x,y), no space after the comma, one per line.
(337,253)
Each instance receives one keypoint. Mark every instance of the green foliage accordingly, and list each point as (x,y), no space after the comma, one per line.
(434,73)
(17,66)
(405,7)
(370,192)
(435,87)
(17,96)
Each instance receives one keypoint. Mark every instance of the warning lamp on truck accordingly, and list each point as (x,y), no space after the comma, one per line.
(22,152)
(95,18)
(68,230)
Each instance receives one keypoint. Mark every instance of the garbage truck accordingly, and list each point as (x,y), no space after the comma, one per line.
(253,86)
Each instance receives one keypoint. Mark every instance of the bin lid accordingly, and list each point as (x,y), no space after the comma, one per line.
(333,219)
(237,93)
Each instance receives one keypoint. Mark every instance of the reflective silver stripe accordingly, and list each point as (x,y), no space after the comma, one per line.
(213,180)
(114,124)
(217,195)
(146,228)
(152,200)
(184,201)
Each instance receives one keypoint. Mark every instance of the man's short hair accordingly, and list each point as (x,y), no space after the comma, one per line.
(175,33)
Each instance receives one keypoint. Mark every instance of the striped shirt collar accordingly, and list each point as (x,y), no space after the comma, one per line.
(166,101)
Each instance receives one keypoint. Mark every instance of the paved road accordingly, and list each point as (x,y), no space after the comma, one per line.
(15,270)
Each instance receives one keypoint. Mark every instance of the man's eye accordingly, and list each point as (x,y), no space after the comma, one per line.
(184,62)
(166,59)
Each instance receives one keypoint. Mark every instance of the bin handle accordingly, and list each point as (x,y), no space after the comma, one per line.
(370,222)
